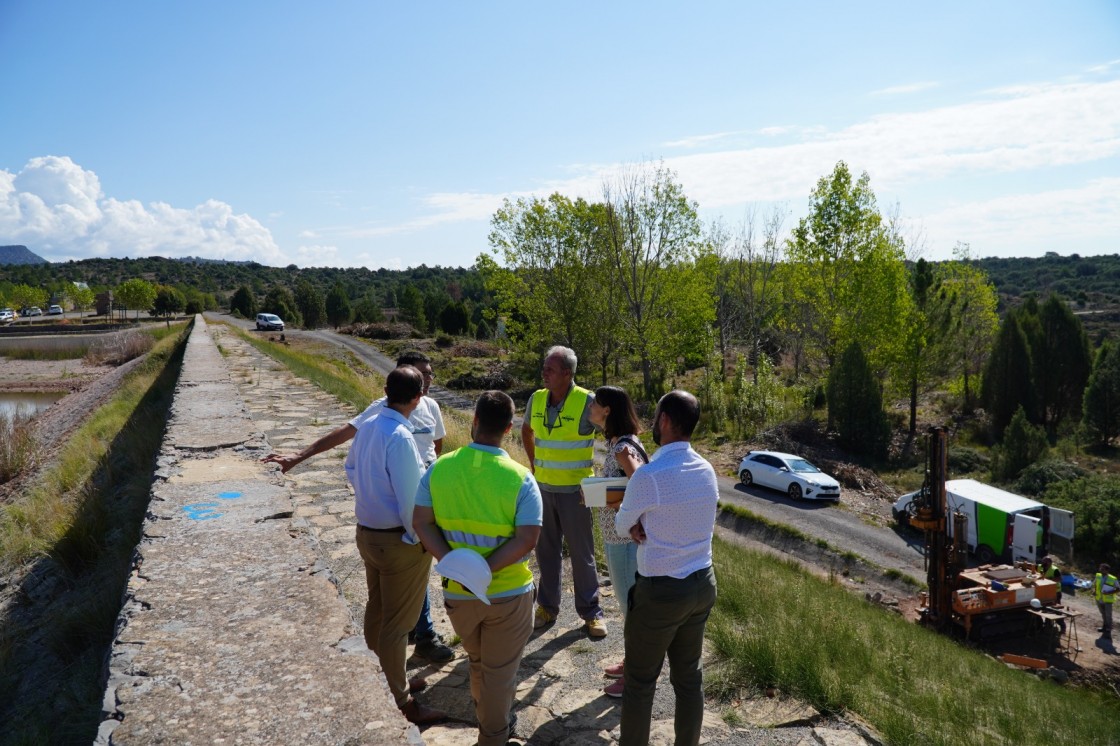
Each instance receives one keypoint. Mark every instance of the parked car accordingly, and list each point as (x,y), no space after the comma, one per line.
(788,473)
(7,314)
(269,322)
(34,311)
(54,310)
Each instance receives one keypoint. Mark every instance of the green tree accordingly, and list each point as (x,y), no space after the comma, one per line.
(339,311)
(855,405)
(1007,383)
(411,304)
(24,296)
(1101,407)
(1023,445)
(168,302)
(279,301)
(963,309)
(135,294)
(553,254)
(917,365)
(454,319)
(244,303)
(367,310)
(311,305)
(1061,366)
(848,272)
(81,297)
(652,227)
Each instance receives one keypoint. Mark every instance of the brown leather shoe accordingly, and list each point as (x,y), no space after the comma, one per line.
(417,684)
(418,714)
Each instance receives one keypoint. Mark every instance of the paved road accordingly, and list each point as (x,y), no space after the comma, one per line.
(889,548)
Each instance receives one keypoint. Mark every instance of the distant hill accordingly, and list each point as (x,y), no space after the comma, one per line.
(20,255)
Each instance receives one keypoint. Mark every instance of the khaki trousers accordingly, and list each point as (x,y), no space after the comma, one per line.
(494,637)
(396,576)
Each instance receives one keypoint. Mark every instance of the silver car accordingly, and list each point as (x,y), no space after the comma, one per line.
(788,473)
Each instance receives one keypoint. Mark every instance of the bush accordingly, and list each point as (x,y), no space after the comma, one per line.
(497,377)
(1095,500)
(964,460)
(382,330)
(444,341)
(1038,477)
(1023,445)
(119,348)
(17,445)
(855,406)
(477,349)
(482,331)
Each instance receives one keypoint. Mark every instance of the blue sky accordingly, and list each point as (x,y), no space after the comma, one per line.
(385,134)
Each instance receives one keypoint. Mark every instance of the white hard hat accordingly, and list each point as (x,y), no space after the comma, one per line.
(469,568)
(1036,604)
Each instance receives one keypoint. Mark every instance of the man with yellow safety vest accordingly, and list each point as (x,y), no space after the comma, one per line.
(478,498)
(558,437)
(1104,591)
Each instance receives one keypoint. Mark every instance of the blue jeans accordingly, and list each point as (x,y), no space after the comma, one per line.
(622,565)
(425,629)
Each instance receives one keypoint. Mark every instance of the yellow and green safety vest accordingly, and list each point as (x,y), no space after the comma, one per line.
(474,498)
(562,457)
(1099,582)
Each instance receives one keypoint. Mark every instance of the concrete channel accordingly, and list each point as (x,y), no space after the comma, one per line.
(231,632)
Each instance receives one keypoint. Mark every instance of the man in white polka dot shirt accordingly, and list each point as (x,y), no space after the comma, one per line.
(670,510)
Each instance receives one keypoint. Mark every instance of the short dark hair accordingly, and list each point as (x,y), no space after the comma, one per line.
(413,357)
(403,384)
(623,418)
(494,410)
(682,409)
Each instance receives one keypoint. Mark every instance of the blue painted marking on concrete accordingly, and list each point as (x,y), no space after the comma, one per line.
(201,511)
(229,495)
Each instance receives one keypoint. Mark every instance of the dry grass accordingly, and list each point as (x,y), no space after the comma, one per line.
(17,444)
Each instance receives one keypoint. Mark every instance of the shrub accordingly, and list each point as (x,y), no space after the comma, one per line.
(497,377)
(855,406)
(119,348)
(1038,477)
(482,331)
(963,460)
(17,445)
(382,330)
(478,349)
(1023,444)
(1095,500)
(444,341)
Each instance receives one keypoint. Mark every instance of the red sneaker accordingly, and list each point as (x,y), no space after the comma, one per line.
(614,689)
(615,671)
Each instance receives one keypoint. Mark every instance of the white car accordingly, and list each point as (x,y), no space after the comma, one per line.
(34,311)
(54,310)
(269,322)
(7,314)
(787,473)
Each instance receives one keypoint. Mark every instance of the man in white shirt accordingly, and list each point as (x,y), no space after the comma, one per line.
(428,431)
(384,468)
(670,510)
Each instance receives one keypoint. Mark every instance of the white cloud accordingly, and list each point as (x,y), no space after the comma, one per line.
(59,211)
(1016,129)
(317,256)
(904,89)
(696,141)
(1068,221)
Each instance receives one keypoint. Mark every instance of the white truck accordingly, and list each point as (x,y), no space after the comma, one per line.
(1001,525)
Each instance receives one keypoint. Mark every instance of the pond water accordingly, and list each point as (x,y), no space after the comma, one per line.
(22,401)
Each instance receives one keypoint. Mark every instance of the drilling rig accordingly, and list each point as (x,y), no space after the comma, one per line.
(945,557)
(987,601)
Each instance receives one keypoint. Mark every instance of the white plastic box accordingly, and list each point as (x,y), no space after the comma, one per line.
(595,490)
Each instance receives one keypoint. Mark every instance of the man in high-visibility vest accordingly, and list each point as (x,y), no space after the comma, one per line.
(480,499)
(559,438)
(1104,591)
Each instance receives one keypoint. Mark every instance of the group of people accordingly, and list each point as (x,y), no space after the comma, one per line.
(413,504)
